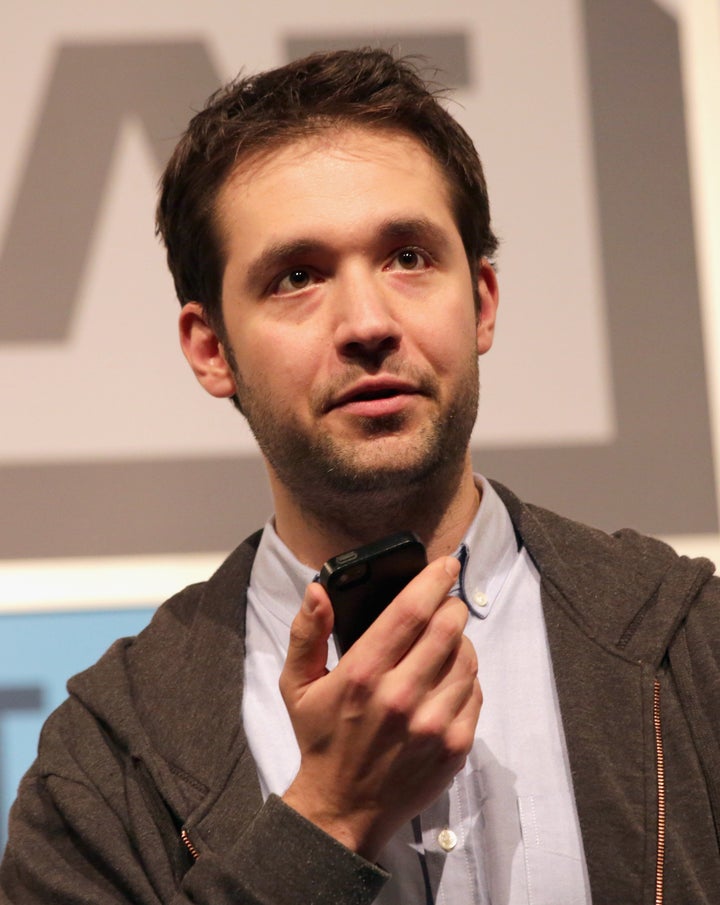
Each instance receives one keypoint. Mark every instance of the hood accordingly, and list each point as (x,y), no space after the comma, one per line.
(625,591)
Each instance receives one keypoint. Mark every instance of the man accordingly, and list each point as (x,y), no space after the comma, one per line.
(328,231)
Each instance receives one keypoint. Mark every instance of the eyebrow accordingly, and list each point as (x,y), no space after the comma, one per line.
(281,254)
(413,227)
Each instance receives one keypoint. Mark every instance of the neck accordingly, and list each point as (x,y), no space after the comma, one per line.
(439,510)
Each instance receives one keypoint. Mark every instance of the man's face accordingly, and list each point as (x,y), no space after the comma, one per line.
(351,329)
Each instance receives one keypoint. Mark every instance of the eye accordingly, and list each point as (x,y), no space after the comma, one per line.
(293,281)
(409,259)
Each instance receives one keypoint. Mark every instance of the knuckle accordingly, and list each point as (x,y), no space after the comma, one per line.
(452,617)
(397,700)
(458,741)
(445,629)
(429,726)
(298,636)
(357,674)
(289,691)
(477,693)
(468,656)
(412,617)
(359,682)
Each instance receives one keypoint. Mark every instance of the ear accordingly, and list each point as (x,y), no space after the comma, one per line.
(488,297)
(204,352)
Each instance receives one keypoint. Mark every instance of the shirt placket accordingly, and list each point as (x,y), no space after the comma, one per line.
(451,845)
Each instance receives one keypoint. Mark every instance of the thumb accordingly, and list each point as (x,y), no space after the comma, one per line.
(308,648)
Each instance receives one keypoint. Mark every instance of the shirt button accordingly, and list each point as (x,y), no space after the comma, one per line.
(447,840)
(479,598)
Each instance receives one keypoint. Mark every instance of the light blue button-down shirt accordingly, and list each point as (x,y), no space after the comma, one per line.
(506,831)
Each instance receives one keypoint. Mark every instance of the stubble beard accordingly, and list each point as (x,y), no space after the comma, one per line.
(382,479)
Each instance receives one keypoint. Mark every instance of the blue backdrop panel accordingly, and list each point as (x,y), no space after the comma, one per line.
(38,653)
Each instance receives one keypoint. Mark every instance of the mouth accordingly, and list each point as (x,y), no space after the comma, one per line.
(376,397)
(374,394)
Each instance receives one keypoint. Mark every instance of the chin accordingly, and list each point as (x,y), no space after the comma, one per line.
(395,471)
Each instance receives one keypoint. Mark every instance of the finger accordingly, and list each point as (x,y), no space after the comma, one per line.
(461,734)
(442,704)
(451,733)
(308,648)
(434,653)
(461,664)
(397,628)
(431,682)
(439,703)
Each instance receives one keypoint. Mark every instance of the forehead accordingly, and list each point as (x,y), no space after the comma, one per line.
(326,174)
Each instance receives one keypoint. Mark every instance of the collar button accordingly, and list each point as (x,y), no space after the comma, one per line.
(480,598)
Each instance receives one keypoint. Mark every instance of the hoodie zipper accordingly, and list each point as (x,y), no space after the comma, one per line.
(660,761)
(188,844)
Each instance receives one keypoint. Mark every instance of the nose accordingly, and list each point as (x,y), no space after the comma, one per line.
(366,326)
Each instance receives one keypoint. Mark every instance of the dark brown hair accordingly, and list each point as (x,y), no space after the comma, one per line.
(263,112)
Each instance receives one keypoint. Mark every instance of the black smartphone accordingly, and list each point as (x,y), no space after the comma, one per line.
(362,582)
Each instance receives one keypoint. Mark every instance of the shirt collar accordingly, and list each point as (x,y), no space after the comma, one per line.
(486,555)
(278,578)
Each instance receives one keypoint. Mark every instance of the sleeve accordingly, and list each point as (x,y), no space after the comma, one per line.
(285,859)
(83,829)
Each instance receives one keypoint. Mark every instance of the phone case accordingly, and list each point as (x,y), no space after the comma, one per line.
(362,582)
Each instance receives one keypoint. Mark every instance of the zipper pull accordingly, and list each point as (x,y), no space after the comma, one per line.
(188,844)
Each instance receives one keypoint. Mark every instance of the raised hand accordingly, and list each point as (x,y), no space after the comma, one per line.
(383,734)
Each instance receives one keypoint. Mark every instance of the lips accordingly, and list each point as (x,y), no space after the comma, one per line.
(374,396)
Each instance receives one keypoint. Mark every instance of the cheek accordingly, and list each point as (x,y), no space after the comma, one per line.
(449,337)
(281,365)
